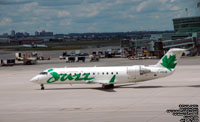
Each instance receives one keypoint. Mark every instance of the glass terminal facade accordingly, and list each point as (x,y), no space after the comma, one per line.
(187,24)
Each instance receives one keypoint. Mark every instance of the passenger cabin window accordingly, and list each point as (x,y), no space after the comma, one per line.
(43,73)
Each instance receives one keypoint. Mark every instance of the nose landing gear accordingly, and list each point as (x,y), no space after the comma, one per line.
(42,86)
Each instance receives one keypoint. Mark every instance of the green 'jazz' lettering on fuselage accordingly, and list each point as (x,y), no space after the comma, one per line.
(78,77)
(87,76)
(63,77)
(55,77)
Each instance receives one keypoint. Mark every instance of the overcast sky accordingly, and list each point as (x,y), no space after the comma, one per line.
(77,16)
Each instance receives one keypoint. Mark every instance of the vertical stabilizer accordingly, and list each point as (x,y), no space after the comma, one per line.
(171,58)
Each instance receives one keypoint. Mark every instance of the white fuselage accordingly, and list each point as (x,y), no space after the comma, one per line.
(102,75)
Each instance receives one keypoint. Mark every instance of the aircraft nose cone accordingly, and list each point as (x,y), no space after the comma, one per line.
(35,79)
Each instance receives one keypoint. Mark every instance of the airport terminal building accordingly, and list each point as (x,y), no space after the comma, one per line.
(186,35)
(187,24)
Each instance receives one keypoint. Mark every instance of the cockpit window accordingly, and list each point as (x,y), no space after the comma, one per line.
(43,73)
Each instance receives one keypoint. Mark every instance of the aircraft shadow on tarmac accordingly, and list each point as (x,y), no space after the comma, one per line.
(125,86)
(142,87)
(97,88)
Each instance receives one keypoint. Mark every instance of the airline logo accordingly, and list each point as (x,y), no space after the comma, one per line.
(77,77)
(169,62)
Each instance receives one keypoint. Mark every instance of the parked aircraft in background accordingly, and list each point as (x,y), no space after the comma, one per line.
(35,45)
(108,76)
(26,45)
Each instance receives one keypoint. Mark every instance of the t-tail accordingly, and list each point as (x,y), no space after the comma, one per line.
(170,59)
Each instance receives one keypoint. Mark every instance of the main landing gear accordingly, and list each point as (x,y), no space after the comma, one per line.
(42,86)
(109,86)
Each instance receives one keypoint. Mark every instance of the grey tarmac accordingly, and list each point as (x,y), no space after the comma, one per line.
(23,101)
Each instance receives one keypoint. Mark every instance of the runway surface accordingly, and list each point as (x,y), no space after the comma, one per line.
(23,101)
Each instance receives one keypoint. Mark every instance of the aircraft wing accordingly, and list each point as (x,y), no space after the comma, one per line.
(104,81)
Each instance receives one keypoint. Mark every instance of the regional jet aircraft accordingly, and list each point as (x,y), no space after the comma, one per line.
(108,76)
